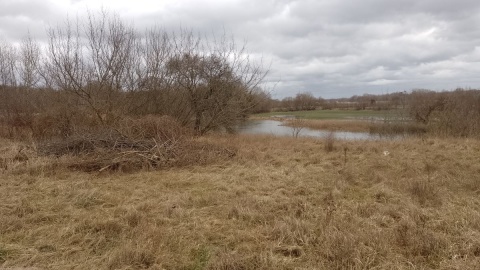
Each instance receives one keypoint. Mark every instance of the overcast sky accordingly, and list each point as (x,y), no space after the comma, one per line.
(331,48)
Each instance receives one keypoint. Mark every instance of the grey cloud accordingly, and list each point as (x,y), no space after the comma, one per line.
(18,18)
(330,48)
(34,10)
(367,11)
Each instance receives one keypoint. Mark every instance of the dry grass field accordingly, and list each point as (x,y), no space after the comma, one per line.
(279,203)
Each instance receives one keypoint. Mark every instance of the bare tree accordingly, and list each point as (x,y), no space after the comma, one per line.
(97,61)
(8,64)
(208,83)
(423,104)
(261,100)
(9,107)
(216,79)
(305,101)
(65,64)
(18,74)
(157,90)
(29,68)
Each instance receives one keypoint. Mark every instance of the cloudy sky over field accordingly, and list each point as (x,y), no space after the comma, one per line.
(331,48)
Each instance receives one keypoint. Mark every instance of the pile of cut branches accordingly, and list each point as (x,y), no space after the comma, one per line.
(144,145)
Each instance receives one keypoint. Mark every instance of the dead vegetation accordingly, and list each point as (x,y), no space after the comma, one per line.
(146,143)
(279,203)
(103,168)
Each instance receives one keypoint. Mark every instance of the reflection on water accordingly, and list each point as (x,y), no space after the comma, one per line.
(275,128)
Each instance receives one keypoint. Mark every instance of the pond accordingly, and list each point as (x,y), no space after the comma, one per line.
(276,128)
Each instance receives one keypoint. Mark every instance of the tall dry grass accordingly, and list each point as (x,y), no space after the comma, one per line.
(280,203)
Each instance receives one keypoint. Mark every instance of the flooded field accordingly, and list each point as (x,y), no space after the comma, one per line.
(277,128)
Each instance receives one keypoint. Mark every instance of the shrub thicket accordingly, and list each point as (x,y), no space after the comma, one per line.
(104,91)
(453,114)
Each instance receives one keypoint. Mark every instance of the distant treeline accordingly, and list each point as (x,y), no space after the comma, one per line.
(446,113)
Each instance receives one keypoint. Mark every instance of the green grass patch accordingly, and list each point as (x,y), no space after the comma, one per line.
(327,114)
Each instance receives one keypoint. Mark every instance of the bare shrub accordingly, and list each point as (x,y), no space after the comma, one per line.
(301,101)
(329,142)
(460,116)
(296,125)
(455,114)
(304,101)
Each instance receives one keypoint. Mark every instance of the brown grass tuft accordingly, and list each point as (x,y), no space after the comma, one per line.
(425,192)
(131,257)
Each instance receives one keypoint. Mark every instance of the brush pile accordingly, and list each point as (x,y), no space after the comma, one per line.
(136,144)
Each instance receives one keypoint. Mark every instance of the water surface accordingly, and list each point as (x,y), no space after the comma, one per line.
(276,128)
